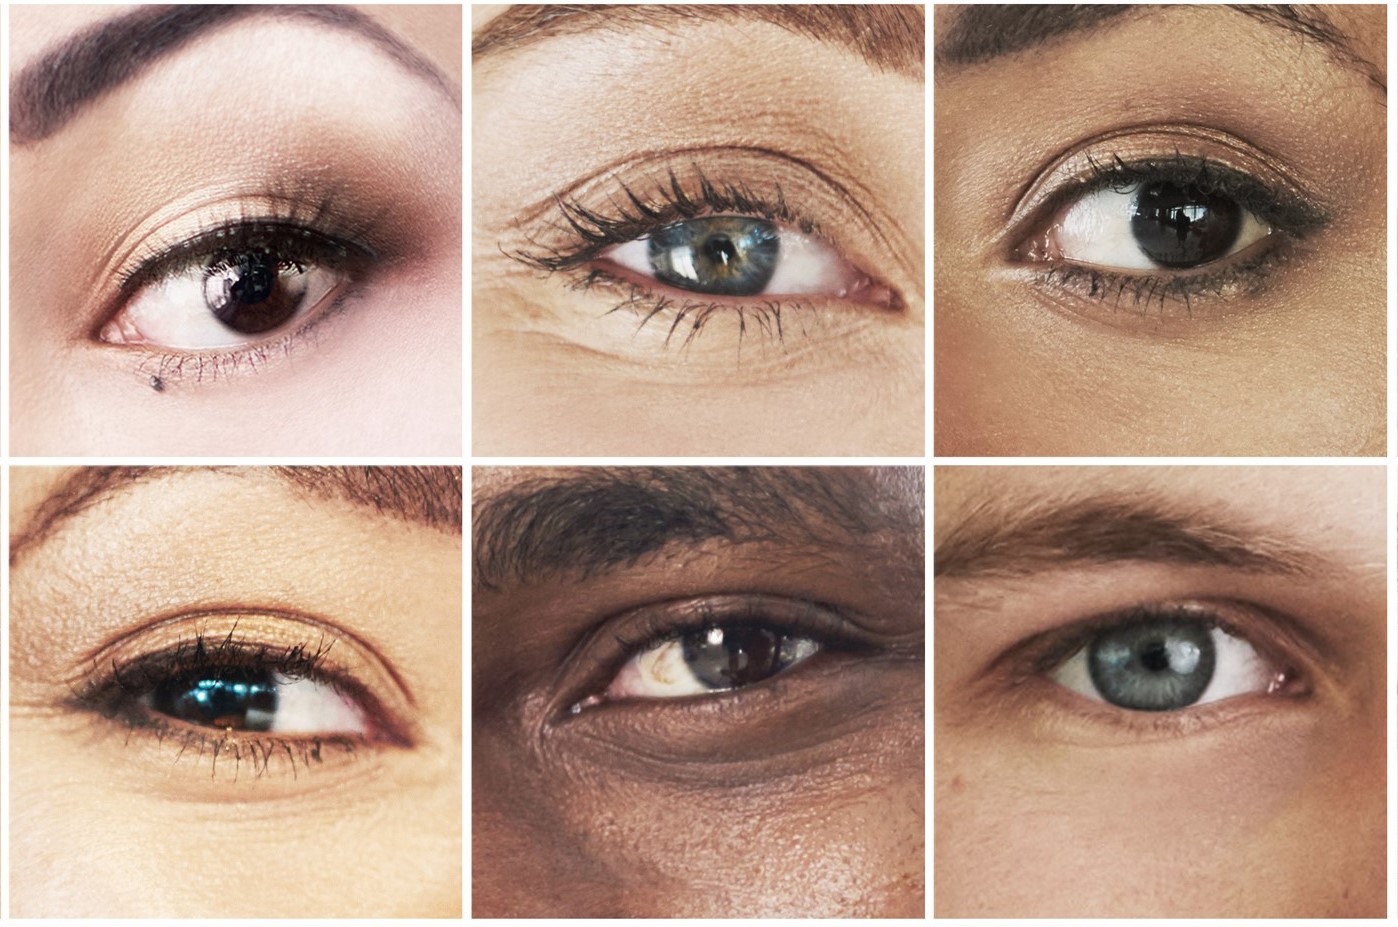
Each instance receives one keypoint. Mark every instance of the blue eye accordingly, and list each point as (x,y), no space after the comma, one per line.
(728,255)
(1166,663)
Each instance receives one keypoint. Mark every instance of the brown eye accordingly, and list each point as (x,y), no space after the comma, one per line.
(710,659)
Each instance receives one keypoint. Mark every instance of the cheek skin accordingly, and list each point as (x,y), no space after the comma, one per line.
(1291,825)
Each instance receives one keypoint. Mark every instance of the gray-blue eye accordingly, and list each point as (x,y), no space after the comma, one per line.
(1166,663)
(723,255)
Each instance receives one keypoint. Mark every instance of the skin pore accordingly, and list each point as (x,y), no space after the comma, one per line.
(1267,803)
(1277,349)
(118,810)
(345,124)
(788,115)
(797,795)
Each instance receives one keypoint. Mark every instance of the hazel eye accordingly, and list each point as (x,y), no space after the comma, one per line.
(255,700)
(1167,664)
(1149,226)
(712,659)
(741,256)
(256,281)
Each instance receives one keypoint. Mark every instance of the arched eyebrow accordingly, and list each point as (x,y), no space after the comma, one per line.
(426,496)
(984,33)
(82,68)
(889,37)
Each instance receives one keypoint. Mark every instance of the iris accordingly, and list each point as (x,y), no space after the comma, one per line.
(248,292)
(1183,226)
(726,658)
(237,699)
(1159,665)
(724,255)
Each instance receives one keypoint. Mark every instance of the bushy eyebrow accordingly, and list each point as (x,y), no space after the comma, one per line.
(1024,536)
(428,496)
(985,32)
(591,521)
(888,37)
(46,94)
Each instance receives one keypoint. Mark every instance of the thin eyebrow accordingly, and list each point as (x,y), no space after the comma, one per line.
(84,67)
(428,496)
(591,522)
(888,37)
(983,33)
(990,540)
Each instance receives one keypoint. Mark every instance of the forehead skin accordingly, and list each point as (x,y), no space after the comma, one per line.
(1278,811)
(830,825)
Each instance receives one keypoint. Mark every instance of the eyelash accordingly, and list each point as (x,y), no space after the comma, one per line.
(634,632)
(1291,218)
(633,217)
(114,696)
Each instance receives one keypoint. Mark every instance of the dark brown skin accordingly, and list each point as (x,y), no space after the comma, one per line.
(798,796)
(1261,804)
(1292,363)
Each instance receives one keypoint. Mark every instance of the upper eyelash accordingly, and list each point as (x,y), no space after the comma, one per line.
(635,216)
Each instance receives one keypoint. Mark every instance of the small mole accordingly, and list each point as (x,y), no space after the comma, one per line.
(157,384)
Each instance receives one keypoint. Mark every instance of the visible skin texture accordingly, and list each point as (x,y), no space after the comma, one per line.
(1050,804)
(1291,364)
(262,106)
(798,796)
(108,821)
(555,371)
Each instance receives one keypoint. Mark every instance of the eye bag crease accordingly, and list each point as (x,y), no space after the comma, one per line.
(429,496)
(61,83)
(586,524)
(981,34)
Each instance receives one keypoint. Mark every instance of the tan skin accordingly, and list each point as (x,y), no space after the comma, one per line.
(1288,360)
(1267,803)
(557,371)
(109,820)
(799,795)
(349,144)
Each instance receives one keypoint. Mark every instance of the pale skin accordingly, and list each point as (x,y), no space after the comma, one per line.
(324,119)
(556,371)
(106,820)
(1269,803)
(1286,361)
(800,795)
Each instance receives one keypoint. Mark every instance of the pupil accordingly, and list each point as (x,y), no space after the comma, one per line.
(1182,226)
(230,699)
(725,658)
(1155,657)
(246,291)
(720,250)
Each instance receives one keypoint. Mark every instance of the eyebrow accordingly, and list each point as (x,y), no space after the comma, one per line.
(427,496)
(888,37)
(590,522)
(991,541)
(983,33)
(84,67)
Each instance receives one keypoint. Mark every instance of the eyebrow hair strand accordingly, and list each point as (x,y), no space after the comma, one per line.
(53,89)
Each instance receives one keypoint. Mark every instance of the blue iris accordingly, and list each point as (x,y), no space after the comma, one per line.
(1161,665)
(722,255)
(242,700)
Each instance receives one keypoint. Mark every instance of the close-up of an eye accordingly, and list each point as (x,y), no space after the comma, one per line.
(255,701)
(1167,663)
(261,280)
(741,256)
(1150,226)
(712,659)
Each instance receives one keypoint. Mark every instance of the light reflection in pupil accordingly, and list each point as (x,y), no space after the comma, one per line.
(231,701)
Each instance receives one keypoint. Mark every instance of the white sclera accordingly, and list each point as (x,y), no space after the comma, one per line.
(1238,670)
(173,313)
(305,706)
(1096,230)
(805,265)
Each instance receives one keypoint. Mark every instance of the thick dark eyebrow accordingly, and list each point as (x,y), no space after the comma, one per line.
(82,68)
(428,496)
(592,521)
(888,37)
(983,33)
(991,539)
